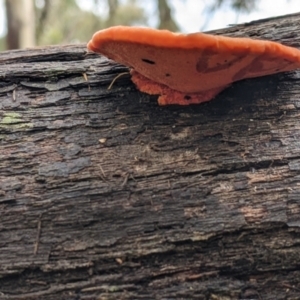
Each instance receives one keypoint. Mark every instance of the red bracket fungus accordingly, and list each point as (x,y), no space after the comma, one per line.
(190,68)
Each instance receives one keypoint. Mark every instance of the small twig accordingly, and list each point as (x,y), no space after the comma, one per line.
(36,246)
(125,180)
(86,79)
(289,286)
(114,80)
(103,174)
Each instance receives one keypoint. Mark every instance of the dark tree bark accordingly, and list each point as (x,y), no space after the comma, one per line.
(106,195)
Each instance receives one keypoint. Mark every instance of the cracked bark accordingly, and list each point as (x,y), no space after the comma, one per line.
(105,195)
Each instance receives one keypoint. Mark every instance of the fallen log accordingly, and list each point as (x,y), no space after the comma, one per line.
(106,195)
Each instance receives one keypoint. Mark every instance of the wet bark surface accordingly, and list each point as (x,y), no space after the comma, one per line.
(106,195)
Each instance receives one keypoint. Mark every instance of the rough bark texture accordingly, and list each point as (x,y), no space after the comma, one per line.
(106,195)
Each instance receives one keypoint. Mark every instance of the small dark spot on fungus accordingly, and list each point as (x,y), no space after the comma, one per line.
(167,75)
(148,61)
(187,97)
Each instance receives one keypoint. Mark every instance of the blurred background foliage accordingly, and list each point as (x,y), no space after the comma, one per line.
(46,22)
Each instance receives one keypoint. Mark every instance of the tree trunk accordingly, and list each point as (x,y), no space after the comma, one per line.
(166,20)
(106,195)
(20,17)
(112,9)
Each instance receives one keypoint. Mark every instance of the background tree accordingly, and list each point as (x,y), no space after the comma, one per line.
(40,24)
(166,20)
(73,25)
(236,5)
(31,23)
(20,17)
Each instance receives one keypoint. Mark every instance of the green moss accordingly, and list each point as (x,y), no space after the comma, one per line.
(114,289)
(12,114)
(18,126)
(12,120)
